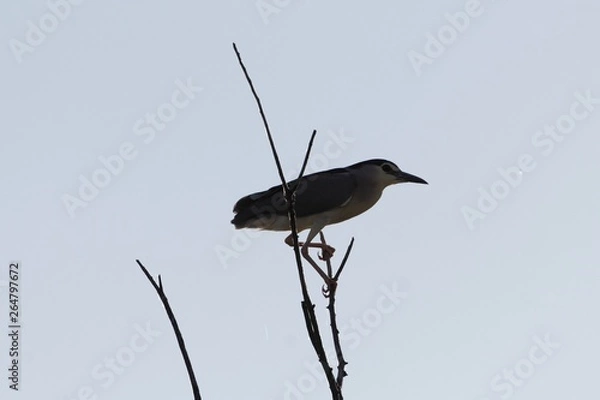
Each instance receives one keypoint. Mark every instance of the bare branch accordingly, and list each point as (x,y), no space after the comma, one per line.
(310,144)
(163,298)
(264,119)
(343,264)
(335,332)
(307,306)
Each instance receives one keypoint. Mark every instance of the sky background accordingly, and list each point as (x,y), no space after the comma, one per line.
(482,285)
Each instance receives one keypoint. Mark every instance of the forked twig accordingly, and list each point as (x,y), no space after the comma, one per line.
(310,318)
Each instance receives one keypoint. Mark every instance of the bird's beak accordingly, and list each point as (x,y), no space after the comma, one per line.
(406,177)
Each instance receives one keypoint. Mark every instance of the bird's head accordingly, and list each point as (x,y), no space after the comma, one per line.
(384,173)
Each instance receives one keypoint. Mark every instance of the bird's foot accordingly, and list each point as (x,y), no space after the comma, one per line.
(326,252)
(329,287)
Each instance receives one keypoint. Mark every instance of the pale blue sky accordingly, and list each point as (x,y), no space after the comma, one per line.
(448,289)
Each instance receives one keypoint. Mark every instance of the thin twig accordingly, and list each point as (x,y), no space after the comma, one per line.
(343,264)
(335,332)
(163,298)
(264,119)
(307,305)
(310,144)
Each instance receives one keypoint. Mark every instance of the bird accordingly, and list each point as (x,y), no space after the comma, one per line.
(321,199)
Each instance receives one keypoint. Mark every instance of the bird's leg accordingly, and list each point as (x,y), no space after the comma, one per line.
(326,250)
(304,250)
(306,255)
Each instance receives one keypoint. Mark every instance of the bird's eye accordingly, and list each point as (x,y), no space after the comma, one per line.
(386,168)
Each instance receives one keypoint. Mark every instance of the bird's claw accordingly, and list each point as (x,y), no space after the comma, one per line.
(326,253)
(329,288)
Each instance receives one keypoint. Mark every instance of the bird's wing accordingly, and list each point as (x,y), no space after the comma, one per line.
(324,191)
(316,193)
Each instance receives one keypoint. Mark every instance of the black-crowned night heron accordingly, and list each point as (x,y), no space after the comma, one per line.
(322,199)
